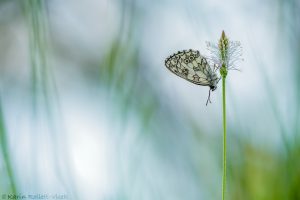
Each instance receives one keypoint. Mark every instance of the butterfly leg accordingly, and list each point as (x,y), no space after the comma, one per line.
(208,98)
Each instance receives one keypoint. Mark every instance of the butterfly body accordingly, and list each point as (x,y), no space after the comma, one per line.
(193,67)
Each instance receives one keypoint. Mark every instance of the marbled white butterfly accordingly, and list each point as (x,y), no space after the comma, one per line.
(193,67)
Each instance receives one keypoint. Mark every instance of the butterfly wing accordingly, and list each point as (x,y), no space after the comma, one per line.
(191,66)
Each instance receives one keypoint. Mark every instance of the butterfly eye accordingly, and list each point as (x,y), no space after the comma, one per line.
(186,61)
(213,87)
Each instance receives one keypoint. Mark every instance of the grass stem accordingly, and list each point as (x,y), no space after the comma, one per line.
(224,138)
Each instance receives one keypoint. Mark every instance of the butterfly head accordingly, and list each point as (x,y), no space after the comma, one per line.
(213,87)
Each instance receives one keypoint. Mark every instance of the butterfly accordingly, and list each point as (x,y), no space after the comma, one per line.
(193,67)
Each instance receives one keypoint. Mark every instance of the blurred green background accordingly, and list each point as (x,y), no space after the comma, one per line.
(88,109)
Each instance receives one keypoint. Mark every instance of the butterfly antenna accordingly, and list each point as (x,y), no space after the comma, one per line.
(208,98)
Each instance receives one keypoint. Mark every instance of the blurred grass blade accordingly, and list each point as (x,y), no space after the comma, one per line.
(6,155)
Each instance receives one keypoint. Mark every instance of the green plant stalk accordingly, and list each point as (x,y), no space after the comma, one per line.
(223,48)
(224,137)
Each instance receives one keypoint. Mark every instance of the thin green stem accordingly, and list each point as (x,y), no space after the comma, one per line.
(224,139)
